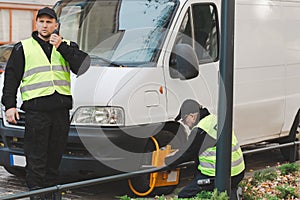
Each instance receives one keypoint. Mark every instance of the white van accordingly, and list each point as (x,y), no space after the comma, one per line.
(148,56)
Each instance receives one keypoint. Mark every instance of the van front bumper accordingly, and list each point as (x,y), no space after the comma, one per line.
(90,151)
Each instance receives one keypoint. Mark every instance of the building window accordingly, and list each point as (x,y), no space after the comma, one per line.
(17,21)
(22,24)
(4,25)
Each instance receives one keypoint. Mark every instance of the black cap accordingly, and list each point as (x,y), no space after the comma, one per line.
(188,106)
(47,11)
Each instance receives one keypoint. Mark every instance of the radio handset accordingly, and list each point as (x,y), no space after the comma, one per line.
(56,31)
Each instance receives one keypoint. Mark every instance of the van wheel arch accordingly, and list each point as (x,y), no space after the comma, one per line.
(173,133)
(291,153)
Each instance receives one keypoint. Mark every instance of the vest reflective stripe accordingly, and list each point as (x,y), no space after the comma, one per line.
(211,152)
(46,69)
(207,159)
(41,77)
(44,84)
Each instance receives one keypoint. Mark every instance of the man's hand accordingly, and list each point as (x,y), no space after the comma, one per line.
(55,40)
(12,115)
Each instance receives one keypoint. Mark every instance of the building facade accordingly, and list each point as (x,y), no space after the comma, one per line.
(17,18)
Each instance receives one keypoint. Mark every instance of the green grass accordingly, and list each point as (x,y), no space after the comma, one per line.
(281,183)
(273,184)
(290,168)
(204,195)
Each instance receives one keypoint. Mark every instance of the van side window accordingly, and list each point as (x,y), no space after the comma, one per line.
(205,32)
(185,31)
(184,36)
(199,28)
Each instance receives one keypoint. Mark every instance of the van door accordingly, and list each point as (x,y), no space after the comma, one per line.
(259,71)
(197,25)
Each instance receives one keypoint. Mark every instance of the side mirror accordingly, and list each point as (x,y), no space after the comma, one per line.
(186,61)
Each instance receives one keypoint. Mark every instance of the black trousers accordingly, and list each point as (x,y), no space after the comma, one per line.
(193,188)
(46,135)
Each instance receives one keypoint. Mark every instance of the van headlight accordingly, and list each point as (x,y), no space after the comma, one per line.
(98,116)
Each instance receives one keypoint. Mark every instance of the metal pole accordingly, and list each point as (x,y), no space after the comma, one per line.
(94,181)
(267,148)
(225,104)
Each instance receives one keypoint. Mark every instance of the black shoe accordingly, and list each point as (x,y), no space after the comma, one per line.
(236,193)
(48,196)
(37,197)
(53,196)
(56,196)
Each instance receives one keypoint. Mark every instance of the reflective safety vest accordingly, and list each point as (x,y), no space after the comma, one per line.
(41,77)
(207,159)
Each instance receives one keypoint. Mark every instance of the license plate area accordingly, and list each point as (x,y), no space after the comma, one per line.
(17,160)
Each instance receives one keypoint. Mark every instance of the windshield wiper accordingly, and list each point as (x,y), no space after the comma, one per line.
(123,64)
(110,62)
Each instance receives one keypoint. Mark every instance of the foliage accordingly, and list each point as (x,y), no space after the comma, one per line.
(125,197)
(273,184)
(264,175)
(219,196)
(269,197)
(289,168)
(161,197)
(286,192)
(215,195)
(204,195)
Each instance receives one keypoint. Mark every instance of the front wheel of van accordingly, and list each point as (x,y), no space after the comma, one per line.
(141,183)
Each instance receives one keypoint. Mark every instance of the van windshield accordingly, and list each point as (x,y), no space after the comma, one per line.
(117,32)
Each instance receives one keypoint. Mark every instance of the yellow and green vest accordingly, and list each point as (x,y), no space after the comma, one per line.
(207,159)
(41,77)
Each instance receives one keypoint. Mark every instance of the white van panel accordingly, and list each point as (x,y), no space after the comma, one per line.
(136,90)
(259,79)
(142,99)
(290,14)
(100,85)
(258,92)
(259,40)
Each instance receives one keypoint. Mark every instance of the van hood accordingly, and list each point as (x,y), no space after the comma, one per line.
(100,84)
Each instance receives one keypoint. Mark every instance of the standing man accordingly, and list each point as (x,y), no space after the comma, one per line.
(42,64)
(201,147)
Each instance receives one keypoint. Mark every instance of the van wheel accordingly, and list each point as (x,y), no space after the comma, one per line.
(291,153)
(19,172)
(141,183)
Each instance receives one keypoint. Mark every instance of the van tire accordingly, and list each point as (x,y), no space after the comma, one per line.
(292,153)
(141,183)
